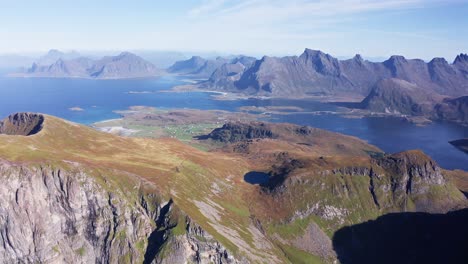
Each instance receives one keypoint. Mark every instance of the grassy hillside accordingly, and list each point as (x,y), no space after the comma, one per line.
(318,182)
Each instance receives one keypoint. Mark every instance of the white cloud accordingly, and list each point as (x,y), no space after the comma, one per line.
(294,8)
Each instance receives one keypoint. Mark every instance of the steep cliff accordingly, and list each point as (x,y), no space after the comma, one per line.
(66,214)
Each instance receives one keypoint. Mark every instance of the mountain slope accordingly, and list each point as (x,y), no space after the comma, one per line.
(455,109)
(117,170)
(311,190)
(72,194)
(399,96)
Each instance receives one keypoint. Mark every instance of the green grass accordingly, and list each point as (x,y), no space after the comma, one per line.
(141,245)
(290,230)
(180,228)
(298,256)
(244,211)
(81,251)
(56,249)
(187,132)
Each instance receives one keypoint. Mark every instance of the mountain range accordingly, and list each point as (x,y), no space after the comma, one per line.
(124,65)
(395,86)
(204,68)
(318,73)
(72,194)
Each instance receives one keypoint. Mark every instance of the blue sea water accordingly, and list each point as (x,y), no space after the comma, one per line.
(100,98)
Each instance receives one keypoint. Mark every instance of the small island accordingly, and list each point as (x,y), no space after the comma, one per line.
(461,144)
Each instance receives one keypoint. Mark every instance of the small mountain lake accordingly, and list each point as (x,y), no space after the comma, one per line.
(88,101)
(256,177)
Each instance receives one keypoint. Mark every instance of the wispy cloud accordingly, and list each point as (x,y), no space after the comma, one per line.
(207,6)
(294,23)
(283,9)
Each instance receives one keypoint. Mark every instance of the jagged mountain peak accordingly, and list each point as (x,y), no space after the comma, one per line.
(461,58)
(438,60)
(396,59)
(126,53)
(54,52)
(312,52)
(196,58)
(316,55)
(358,57)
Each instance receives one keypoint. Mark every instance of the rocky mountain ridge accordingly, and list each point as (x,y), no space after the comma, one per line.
(318,73)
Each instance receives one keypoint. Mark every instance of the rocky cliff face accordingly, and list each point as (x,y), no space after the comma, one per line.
(196,246)
(54,216)
(235,132)
(65,215)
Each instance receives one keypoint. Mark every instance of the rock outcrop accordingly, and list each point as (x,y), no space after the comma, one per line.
(21,124)
(461,144)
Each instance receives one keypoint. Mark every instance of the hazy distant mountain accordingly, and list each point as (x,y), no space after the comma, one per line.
(225,76)
(204,68)
(54,55)
(197,66)
(317,73)
(125,65)
(187,66)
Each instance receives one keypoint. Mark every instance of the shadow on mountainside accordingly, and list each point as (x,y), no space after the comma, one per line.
(405,238)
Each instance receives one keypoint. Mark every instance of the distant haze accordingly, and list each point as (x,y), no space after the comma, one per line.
(374,28)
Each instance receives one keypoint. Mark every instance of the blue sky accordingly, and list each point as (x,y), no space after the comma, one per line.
(374,28)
